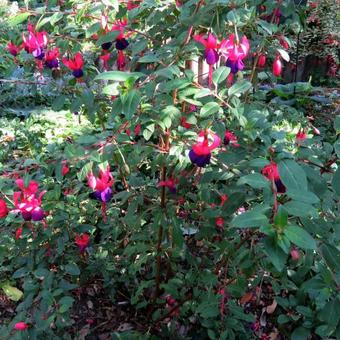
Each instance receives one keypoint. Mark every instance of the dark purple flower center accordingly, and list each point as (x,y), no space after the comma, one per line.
(121,44)
(106,46)
(78,73)
(54,63)
(281,189)
(200,160)
(37,214)
(38,54)
(211,56)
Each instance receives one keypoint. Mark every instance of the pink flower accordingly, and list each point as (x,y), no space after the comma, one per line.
(35,42)
(200,153)
(295,254)
(18,233)
(101,184)
(76,65)
(211,46)
(13,49)
(51,58)
(27,202)
(184,123)
(20,326)
(219,222)
(3,209)
(121,61)
(230,138)
(65,170)
(235,52)
(262,60)
(300,137)
(277,66)
(82,241)
(138,129)
(283,42)
(170,183)
(271,172)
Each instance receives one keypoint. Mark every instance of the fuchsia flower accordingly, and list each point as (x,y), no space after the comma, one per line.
(184,123)
(35,42)
(277,66)
(295,254)
(211,46)
(3,209)
(219,222)
(76,65)
(18,233)
(283,42)
(82,241)
(65,169)
(51,58)
(235,52)
(231,139)
(131,4)
(138,129)
(27,202)
(200,153)
(262,60)
(271,172)
(121,42)
(170,183)
(300,137)
(13,49)
(101,184)
(20,326)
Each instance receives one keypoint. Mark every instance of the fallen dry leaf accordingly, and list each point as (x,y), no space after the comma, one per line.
(271,308)
(246,298)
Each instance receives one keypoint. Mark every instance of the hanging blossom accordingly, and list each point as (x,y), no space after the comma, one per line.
(82,241)
(211,47)
(170,183)
(231,139)
(277,66)
(102,185)
(200,153)
(121,42)
(262,60)
(75,65)
(51,58)
(28,202)
(20,326)
(3,209)
(300,137)
(35,42)
(271,172)
(13,49)
(235,52)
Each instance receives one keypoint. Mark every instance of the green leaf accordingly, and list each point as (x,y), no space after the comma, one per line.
(65,303)
(130,103)
(331,313)
(303,196)
(148,131)
(300,237)
(300,333)
(255,180)
(275,254)
(220,74)
(12,293)
(209,109)
(18,19)
(249,219)
(331,255)
(72,269)
(85,170)
(337,124)
(58,103)
(300,209)
(281,217)
(239,88)
(92,30)
(118,75)
(292,175)
(149,58)
(336,182)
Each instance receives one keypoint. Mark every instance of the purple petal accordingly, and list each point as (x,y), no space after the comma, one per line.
(106,195)
(38,214)
(211,56)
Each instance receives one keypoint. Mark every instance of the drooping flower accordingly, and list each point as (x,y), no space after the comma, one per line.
(211,47)
(283,42)
(184,123)
(102,185)
(131,4)
(35,42)
(295,254)
(51,58)
(271,172)
(75,65)
(170,183)
(82,241)
(231,139)
(262,60)
(18,233)
(200,153)
(219,222)
(13,49)
(27,202)
(105,58)
(138,129)
(65,169)
(3,209)
(300,137)
(121,61)
(235,52)
(121,42)
(277,66)
(20,326)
